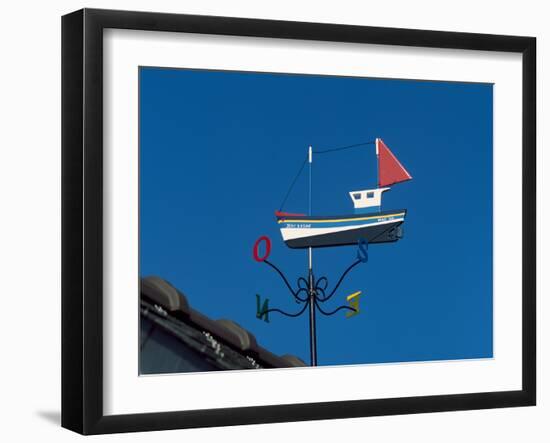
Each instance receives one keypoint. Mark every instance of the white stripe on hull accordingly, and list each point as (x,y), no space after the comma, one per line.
(294,233)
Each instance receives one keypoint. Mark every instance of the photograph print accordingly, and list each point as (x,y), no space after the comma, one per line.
(292,220)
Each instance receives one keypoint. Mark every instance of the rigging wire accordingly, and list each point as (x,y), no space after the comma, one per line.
(342,148)
(322,151)
(293,183)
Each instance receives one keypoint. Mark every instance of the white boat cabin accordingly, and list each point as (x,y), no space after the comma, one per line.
(368,200)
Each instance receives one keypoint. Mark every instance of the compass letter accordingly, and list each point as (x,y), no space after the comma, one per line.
(362,251)
(261,312)
(353,301)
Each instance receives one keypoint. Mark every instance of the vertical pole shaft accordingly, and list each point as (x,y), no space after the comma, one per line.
(311,284)
(312,329)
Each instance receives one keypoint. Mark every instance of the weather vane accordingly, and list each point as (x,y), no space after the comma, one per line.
(369,224)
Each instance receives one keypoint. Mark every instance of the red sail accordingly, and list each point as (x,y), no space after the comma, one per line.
(390,171)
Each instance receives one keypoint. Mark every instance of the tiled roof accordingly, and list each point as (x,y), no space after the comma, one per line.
(223,344)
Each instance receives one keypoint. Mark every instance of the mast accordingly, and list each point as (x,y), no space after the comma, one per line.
(377,164)
(311,283)
(310,160)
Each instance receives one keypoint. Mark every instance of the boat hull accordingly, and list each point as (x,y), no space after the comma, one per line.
(318,231)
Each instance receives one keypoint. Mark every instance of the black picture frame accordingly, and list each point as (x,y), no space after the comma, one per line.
(82,219)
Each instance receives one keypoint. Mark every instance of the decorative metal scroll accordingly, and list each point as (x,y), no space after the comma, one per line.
(308,290)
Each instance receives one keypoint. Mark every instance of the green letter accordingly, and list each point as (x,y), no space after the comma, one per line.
(262,313)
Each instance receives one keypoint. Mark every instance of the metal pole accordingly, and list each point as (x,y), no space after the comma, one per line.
(312,330)
(311,284)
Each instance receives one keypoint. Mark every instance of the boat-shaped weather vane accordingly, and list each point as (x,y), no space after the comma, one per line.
(369,224)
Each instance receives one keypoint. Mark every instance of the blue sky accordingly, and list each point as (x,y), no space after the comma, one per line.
(218,151)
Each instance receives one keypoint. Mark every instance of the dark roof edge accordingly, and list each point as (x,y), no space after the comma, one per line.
(164,294)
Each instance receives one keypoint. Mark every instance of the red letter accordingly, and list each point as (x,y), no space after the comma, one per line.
(267,248)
